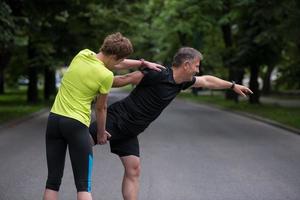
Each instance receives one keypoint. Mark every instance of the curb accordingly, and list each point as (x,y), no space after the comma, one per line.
(252,116)
(15,122)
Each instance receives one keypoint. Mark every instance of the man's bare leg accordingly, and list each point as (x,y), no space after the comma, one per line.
(130,184)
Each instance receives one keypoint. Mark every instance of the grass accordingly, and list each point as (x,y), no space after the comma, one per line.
(13,105)
(283,115)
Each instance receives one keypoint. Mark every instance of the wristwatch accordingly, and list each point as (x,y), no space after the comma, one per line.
(232,85)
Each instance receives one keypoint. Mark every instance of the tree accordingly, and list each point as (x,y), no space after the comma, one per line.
(6,39)
(290,31)
(226,23)
(257,41)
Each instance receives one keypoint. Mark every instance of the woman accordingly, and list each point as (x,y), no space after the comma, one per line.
(88,75)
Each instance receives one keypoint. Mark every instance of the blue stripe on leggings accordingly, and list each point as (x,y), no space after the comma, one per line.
(90,172)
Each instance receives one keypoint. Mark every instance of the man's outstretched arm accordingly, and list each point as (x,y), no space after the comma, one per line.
(212,82)
(130,78)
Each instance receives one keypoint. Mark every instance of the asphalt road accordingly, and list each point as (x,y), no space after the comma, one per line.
(191,152)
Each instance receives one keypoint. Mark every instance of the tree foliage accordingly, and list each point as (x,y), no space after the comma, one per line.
(235,36)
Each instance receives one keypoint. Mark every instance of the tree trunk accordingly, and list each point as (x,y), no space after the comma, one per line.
(231,95)
(32,91)
(182,38)
(227,37)
(254,86)
(49,84)
(267,80)
(1,80)
(4,60)
(240,75)
(47,92)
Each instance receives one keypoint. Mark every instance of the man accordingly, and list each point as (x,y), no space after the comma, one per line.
(87,76)
(154,91)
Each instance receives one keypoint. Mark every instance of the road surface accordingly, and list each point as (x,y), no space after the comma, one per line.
(191,152)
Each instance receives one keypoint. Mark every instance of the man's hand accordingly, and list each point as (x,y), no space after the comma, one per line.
(103,137)
(153,66)
(242,90)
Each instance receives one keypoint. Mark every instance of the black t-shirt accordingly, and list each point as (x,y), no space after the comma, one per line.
(144,104)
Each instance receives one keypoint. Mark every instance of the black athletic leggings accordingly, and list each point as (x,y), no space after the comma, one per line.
(63,132)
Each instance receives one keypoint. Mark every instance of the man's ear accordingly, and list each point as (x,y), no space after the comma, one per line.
(186,65)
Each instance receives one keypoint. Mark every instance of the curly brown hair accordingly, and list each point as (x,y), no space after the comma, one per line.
(117,44)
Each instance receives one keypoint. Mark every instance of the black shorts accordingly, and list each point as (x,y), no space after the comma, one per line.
(121,143)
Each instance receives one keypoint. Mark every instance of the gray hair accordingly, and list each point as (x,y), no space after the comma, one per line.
(186,54)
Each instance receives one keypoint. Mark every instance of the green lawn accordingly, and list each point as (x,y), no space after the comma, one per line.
(13,105)
(287,116)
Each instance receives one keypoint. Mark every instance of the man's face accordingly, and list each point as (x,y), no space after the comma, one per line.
(192,68)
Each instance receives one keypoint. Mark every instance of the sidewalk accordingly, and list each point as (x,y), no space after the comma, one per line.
(292,103)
